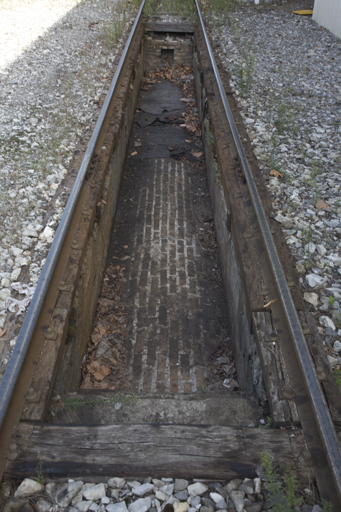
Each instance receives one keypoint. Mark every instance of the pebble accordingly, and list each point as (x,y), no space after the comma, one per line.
(325,321)
(116,482)
(95,492)
(311,298)
(141,490)
(197,489)
(180,484)
(117,507)
(28,487)
(142,505)
(238,500)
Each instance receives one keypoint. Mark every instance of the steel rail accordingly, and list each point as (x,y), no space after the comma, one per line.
(320,409)
(16,361)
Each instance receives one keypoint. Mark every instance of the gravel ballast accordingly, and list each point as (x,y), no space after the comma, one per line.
(55,67)
(286,73)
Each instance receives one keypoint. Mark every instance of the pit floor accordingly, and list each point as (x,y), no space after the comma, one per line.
(161,322)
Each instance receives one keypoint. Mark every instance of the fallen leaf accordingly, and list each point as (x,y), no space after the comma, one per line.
(102,329)
(191,128)
(320,204)
(125,247)
(102,372)
(134,153)
(104,202)
(95,338)
(137,144)
(275,173)
(197,154)
(2,332)
(269,303)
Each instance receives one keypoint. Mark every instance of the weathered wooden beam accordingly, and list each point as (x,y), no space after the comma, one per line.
(191,451)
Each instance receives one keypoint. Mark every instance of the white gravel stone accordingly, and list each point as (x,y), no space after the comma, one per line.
(117,507)
(332,361)
(197,489)
(325,321)
(142,505)
(215,497)
(83,506)
(180,507)
(162,496)
(95,492)
(314,281)
(43,505)
(312,298)
(143,489)
(337,346)
(180,484)
(238,499)
(28,487)
(116,482)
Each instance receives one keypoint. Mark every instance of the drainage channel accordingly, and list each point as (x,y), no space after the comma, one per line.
(161,342)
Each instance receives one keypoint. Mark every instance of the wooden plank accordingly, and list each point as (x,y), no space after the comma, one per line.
(271,364)
(191,451)
(182,28)
(43,377)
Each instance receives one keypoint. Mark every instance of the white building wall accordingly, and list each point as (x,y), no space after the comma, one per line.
(328,14)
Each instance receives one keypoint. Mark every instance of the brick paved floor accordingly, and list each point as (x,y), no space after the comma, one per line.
(164,237)
(176,308)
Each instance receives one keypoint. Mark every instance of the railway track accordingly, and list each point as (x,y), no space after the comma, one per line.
(167,306)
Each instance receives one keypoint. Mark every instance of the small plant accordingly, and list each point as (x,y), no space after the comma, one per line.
(337,377)
(203,388)
(40,472)
(331,300)
(217,173)
(269,422)
(282,498)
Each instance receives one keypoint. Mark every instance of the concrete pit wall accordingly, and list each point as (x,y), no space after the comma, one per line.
(93,266)
(246,356)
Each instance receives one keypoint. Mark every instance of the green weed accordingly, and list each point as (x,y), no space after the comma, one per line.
(208,134)
(40,472)
(337,377)
(282,498)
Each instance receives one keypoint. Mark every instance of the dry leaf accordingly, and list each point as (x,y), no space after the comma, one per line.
(125,247)
(2,332)
(269,303)
(134,153)
(102,329)
(197,154)
(103,371)
(191,128)
(137,144)
(320,204)
(275,173)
